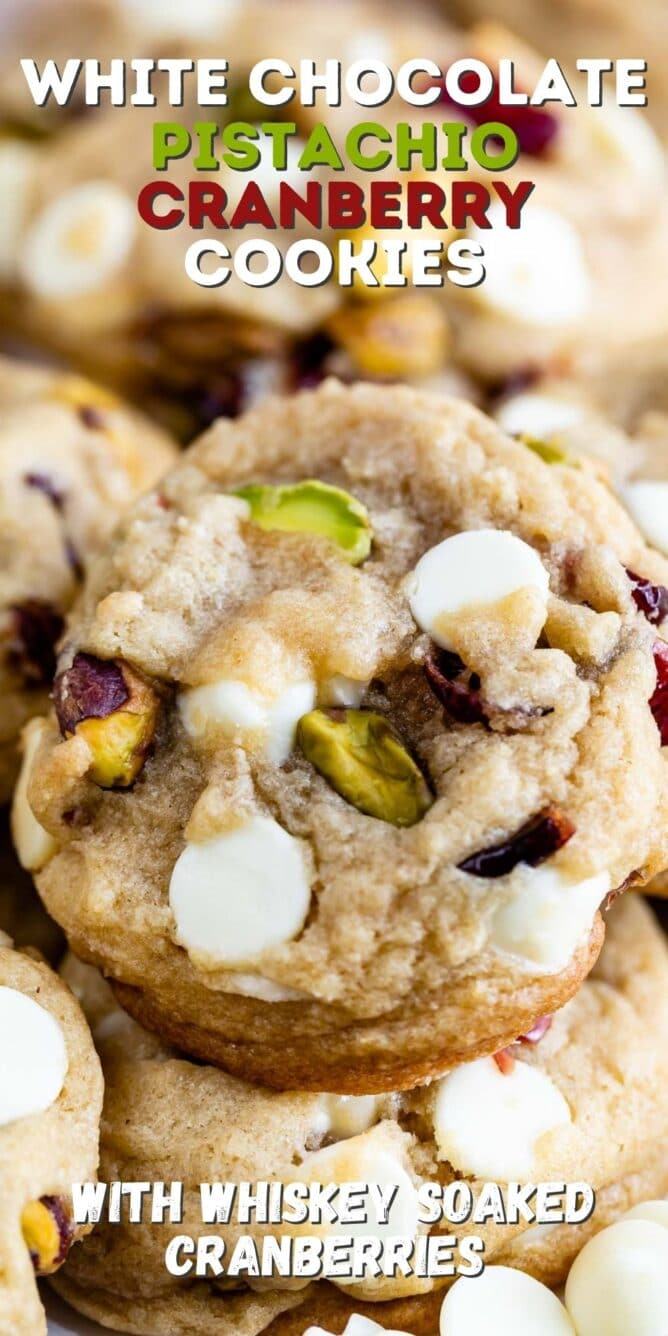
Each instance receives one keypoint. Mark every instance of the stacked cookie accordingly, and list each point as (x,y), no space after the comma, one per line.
(354,737)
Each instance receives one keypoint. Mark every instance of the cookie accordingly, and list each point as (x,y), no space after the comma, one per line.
(71,458)
(50,1106)
(579,1102)
(354,740)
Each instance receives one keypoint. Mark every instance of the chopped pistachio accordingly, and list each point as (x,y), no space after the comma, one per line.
(312,507)
(365,760)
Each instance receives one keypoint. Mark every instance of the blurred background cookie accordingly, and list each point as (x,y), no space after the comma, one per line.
(71,459)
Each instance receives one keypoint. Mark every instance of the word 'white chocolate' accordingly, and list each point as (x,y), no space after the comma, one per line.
(619,1283)
(79,241)
(474,569)
(538,415)
(238,712)
(342,1116)
(647,503)
(519,284)
(366,1159)
(507,1303)
(33,1057)
(546,916)
(240,893)
(34,845)
(489,1123)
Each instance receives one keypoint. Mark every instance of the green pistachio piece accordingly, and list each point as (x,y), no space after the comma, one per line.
(312,507)
(363,758)
(548,452)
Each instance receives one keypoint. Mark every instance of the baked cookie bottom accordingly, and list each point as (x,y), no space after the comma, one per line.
(366,1058)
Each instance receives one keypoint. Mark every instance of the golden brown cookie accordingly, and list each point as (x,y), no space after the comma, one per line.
(347,761)
(50,1105)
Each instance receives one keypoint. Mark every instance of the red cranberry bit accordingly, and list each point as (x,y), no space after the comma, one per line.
(537,1031)
(41,482)
(456,688)
(536,128)
(309,358)
(37,626)
(91,689)
(505,1061)
(651,599)
(659,701)
(532,844)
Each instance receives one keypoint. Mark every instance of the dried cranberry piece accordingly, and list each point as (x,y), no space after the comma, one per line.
(37,625)
(651,599)
(49,1240)
(456,688)
(505,1061)
(74,560)
(308,360)
(536,128)
(91,417)
(41,482)
(537,840)
(91,689)
(659,701)
(537,1031)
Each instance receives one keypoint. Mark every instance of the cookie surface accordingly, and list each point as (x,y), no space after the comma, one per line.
(50,1110)
(407,928)
(604,1054)
(71,458)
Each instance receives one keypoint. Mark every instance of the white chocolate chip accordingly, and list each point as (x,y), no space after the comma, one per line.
(654,1211)
(18,171)
(342,1116)
(342,691)
(236,711)
(537,273)
(507,1303)
(165,19)
(33,1057)
(366,1159)
(538,415)
(647,503)
(477,568)
(546,916)
(34,845)
(358,1326)
(239,894)
(618,1286)
(254,985)
(489,1123)
(625,134)
(79,241)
